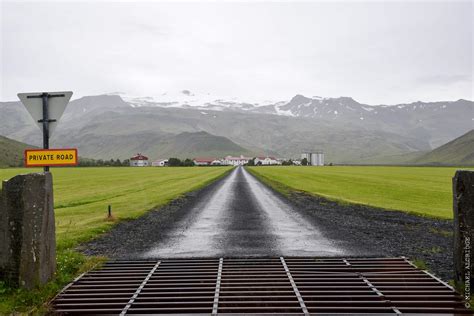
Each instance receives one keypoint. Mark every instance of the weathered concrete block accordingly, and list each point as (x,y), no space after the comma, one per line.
(463,198)
(27,230)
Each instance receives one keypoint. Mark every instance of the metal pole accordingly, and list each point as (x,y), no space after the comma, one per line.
(45,97)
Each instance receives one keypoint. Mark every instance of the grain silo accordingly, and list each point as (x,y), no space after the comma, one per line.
(306,155)
(315,158)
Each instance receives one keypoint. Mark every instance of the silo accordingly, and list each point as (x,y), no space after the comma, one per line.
(306,155)
(314,160)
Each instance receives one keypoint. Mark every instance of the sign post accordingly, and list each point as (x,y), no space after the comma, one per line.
(46,108)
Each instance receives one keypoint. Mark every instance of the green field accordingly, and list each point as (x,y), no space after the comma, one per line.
(81,197)
(420,190)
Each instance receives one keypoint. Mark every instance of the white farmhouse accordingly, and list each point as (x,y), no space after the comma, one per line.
(235,161)
(216,162)
(266,161)
(160,163)
(139,160)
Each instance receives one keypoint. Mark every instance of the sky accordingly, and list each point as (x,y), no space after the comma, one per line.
(375,52)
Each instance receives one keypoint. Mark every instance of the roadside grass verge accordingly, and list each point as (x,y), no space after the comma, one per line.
(425,191)
(20,301)
(82,196)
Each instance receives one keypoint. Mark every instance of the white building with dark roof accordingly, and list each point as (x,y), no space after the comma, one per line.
(139,160)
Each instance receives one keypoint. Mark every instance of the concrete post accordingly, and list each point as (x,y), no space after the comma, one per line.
(27,230)
(463,199)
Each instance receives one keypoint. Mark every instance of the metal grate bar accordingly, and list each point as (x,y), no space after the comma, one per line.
(137,292)
(218,287)
(295,288)
(380,294)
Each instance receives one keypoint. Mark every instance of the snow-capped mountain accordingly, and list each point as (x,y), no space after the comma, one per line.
(302,106)
(188,99)
(418,119)
(346,107)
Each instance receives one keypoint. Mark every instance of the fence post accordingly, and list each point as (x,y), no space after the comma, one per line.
(27,230)
(463,200)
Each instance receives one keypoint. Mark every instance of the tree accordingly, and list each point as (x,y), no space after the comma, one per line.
(287,162)
(174,162)
(251,162)
(188,162)
(304,162)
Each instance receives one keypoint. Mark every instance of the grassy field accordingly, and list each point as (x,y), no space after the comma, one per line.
(81,197)
(420,190)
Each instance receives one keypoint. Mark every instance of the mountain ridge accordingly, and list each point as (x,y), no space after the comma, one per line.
(346,138)
(459,151)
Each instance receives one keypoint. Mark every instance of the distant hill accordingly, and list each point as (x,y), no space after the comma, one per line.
(155,145)
(457,152)
(197,145)
(400,159)
(11,152)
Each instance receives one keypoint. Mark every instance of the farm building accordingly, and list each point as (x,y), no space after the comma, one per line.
(139,160)
(266,161)
(235,161)
(203,161)
(160,163)
(314,158)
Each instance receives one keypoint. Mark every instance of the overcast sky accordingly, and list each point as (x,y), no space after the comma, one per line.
(377,53)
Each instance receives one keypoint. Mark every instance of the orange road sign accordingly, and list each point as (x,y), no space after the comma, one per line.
(51,157)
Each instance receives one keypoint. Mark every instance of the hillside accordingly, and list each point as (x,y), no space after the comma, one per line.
(154,145)
(457,152)
(197,145)
(11,152)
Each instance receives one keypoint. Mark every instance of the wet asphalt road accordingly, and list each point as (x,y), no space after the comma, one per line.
(242,217)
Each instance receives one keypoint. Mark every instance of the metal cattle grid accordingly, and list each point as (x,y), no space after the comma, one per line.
(290,286)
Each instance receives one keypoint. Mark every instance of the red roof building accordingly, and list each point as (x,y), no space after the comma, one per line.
(203,161)
(139,160)
(139,157)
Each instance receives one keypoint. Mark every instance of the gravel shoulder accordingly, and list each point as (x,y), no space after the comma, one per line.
(385,233)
